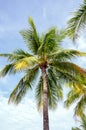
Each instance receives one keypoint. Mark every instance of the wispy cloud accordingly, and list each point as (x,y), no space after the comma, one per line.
(44,13)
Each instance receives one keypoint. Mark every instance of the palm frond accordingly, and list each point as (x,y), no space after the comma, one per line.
(25,63)
(20,60)
(39,94)
(52,75)
(71,69)
(83,121)
(19,91)
(77,22)
(16,55)
(31,37)
(8,69)
(54,89)
(77,95)
(63,55)
(61,35)
(71,98)
(64,77)
(80,107)
(52,94)
(33,72)
(75,128)
(49,43)
(5,55)
(24,84)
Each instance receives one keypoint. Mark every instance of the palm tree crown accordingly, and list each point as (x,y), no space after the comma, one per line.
(46,56)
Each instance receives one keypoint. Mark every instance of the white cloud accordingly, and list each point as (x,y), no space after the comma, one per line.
(21,117)
(81,43)
(26,117)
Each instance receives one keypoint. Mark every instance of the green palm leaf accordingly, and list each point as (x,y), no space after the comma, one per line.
(16,55)
(54,89)
(8,69)
(31,37)
(83,122)
(72,97)
(19,91)
(71,69)
(25,63)
(80,107)
(63,55)
(77,95)
(39,94)
(77,22)
(24,84)
(76,128)
(54,78)
(49,42)
(52,94)
(61,35)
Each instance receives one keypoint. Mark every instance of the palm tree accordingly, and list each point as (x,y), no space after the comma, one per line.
(44,56)
(77,22)
(82,122)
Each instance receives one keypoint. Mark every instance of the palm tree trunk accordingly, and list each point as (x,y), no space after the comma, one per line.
(45,100)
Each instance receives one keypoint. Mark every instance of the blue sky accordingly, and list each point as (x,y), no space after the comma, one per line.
(13,18)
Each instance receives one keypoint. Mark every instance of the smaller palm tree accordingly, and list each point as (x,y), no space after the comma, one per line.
(77,94)
(77,22)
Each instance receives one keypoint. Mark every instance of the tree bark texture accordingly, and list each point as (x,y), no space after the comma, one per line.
(45,100)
